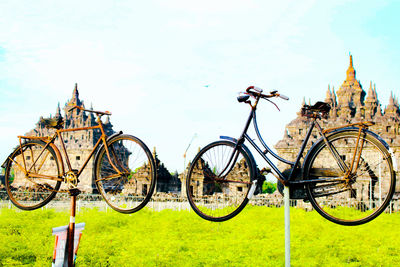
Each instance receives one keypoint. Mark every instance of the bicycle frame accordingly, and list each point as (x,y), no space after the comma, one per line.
(294,164)
(50,142)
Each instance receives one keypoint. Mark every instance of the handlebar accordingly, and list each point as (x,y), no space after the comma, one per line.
(89,110)
(257,92)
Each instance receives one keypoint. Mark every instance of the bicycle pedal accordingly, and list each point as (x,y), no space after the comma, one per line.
(259,184)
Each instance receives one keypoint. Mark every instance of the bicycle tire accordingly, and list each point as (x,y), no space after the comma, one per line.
(364,194)
(28,193)
(130,190)
(219,200)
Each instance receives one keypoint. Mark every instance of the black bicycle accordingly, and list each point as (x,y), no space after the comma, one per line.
(347,174)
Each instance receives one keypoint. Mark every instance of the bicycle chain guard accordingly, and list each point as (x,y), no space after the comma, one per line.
(297,191)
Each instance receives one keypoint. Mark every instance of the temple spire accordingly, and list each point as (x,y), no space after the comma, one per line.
(371,96)
(379,111)
(351,73)
(329,93)
(58,112)
(334,96)
(75,93)
(75,96)
(391,100)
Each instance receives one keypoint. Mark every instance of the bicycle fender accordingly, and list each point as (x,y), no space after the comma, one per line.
(228,138)
(353,129)
(4,165)
(114,135)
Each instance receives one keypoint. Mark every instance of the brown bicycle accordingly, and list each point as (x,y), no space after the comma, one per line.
(124,169)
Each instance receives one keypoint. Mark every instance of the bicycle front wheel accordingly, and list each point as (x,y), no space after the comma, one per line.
(219,180)
(350,195)
(32,176)
(125,173)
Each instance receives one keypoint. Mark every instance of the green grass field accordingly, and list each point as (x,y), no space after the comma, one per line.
(180,238)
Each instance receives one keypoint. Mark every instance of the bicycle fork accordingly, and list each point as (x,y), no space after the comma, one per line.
(231,163)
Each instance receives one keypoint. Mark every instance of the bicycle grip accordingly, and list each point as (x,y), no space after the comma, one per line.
(283,97)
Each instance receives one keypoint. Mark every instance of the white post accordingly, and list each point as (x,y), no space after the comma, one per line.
(370,194)
(380,185)
(286,199)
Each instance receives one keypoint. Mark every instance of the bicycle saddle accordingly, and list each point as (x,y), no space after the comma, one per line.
(319,108)
(56,123)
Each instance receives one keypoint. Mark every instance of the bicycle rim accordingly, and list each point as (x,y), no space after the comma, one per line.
(359,197)
(217,190)
(126,180)
(28,192)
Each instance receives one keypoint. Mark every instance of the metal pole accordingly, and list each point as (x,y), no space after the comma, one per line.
(71,232)
(286,198)
(71,228)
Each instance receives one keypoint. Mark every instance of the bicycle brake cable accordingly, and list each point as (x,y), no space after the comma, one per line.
(273,103)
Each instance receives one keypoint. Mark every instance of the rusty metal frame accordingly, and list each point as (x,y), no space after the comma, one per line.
(49,140)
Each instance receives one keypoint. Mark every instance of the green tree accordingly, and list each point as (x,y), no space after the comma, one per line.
(268,187)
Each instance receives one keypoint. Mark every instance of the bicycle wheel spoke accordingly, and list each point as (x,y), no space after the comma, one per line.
(126,183)
(364,193)
(217,186)
(32,190)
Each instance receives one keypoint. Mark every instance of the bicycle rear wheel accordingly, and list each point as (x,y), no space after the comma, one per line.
(350,198)
(36,187)
(217,186)
(126,178)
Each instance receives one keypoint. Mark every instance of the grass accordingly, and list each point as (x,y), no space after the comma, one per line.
(180,238)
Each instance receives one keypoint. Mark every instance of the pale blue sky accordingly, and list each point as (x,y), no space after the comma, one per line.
(148,62)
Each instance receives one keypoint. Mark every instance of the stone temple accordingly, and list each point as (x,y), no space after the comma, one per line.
(350,103)
(79,144)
